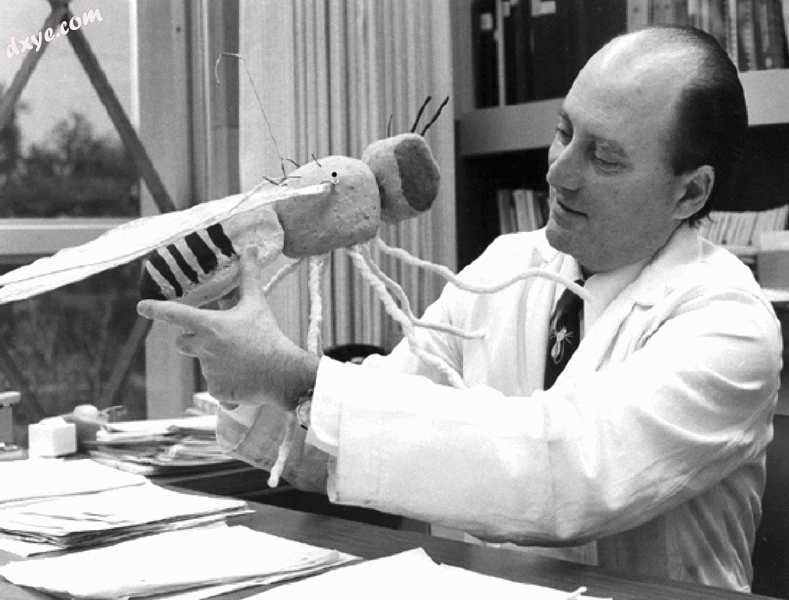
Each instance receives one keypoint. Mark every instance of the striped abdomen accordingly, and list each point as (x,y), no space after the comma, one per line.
(175,270)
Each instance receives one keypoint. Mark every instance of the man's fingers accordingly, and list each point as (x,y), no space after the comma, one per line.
(187,317)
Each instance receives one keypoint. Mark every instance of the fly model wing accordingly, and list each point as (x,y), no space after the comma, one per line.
(135,239)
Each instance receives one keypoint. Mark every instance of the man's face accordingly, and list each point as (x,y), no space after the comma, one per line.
(613,195)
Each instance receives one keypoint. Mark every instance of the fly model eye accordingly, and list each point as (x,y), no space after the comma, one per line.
(334,173)
(407,175)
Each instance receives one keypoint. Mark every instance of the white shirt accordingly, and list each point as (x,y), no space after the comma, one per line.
(325,410)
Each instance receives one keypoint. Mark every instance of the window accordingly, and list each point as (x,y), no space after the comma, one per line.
(65,178)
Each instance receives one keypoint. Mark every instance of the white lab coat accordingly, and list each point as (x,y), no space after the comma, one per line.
(651,442)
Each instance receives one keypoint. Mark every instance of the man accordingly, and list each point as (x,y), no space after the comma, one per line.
(651,441)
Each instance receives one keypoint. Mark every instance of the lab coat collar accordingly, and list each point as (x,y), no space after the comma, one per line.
(647,288)
(683,248)
(646,280)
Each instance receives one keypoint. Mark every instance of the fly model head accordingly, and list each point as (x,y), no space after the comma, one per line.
(406,172)
(407,175)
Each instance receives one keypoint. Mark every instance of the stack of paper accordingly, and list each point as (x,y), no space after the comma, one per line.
(80,521)
(168,562)
(25,481)
(411,574)
(159,446)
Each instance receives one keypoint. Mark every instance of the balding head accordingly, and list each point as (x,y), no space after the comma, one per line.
(692,72)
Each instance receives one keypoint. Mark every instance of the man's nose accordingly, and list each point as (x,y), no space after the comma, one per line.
(564,167)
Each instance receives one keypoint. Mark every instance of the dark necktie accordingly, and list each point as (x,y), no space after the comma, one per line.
(565,334)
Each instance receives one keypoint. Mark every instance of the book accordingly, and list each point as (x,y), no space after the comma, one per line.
(485,53)
(693,13)
(637,14)
(507,219)
(523,212)
(661,12)
(732,28)
(564,35)
(502,16)
(743,229)
(602,20)
(535,211)
(530,209)
(541,199)
(549,51)
(682,9)
(769,34)
(784,5)
(715,12)
(746,36)
(517,52)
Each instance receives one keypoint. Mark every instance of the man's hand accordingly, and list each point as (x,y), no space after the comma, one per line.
(244,355)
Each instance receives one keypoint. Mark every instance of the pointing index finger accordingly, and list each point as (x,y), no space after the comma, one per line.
(174,313)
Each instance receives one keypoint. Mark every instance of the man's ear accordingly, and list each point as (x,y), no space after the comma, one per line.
(693,189)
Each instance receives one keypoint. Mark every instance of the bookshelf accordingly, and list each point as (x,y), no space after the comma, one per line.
(506,145)
(530,125)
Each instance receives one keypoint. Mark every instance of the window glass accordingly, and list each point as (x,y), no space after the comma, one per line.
(60,159)
(67,347)
(60,154)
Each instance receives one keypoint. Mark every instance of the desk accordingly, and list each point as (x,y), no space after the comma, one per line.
(370,541)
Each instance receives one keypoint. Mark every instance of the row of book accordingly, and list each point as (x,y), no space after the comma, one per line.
(743,229)
(528,50)
(521,209)
(524,209)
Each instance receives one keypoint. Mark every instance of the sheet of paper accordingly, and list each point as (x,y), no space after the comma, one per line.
(411,574)
(203,423)
(169,562)
(160,445)
(25,548)
(34,478)
(108,516)
(215,590)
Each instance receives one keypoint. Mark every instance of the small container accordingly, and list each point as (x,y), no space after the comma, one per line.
(52,437)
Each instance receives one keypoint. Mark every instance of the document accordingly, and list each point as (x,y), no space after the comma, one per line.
(36,478)
(411,574)
(160,446)
(113,515)
(170,562)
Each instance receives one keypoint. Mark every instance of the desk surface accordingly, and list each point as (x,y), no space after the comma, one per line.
(370,541)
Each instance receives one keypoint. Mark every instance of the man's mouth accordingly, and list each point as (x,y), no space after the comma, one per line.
(567,209)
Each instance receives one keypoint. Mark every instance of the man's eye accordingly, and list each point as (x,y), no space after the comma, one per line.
(562,134)
(606,164)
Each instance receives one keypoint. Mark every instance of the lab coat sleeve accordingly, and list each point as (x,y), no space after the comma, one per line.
(604,453)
